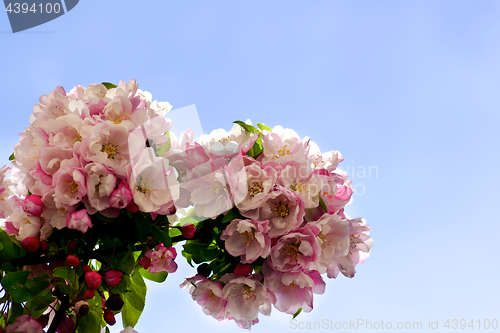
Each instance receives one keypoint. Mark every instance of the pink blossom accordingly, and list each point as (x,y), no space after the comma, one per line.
(5,208)
(294,290)
(25,324)
(121,197)
(101,182)
(303,182)
(79,220)
(33,204)
(70,187)
(209,194)
(284,145)
(52,158)
(333,239)
(108,145)
(22,224)
(296,251)
(247,239)
(246,297)
(208,294)
(113,277)
(162,259)
(359,249)
(284,210)
(149,183)
(251,188)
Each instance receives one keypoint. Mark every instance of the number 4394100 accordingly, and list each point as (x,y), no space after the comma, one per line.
(24,8)
(486,324)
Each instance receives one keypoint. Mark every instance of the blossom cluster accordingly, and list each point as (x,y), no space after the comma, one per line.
(292,227)
(73,169)
(98,175)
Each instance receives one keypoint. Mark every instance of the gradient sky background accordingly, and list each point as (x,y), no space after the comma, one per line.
(409,87)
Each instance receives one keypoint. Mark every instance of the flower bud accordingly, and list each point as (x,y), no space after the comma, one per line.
(33,205)
(113,277)
(89,294)
(204,270)
(93,279)
(188,230)
(114,302)
(72,261)
(144,262)
(86,269)
(71,245)
(82,308)
(44,245)
(109,317)
(243,269)
(67,325)
(43,320)
(132,207)
(31,243)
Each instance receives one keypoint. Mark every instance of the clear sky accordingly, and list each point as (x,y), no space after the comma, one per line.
(409,88)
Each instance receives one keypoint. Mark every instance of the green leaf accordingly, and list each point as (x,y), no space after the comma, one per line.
(8,267)
(158,277)
(209,253)
(232,214)
(248,128)
(68,274)
(257,148)
(142,225)
(189,258)
(39,303)
(11,157)
(162,236)
(89,323)
(10,250)
(124,262)
(323,205)
(264,127)
(174,232)
(38,284)
(109,85)
(15,311)
(14,282)
(297,313)
(161,150)
(134,300)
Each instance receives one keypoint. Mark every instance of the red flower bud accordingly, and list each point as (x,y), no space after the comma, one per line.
(243,269)
(113,277)
(89,294)
(86,269)
(72,261)
(109,317)
(31,244)
(42,320)
(33,205)
(82,308)
(188,230)
(44,245)
(93,279)
(71,245)
(132,207)
(145,262)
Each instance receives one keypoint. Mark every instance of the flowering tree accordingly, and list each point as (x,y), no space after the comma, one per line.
(100,191)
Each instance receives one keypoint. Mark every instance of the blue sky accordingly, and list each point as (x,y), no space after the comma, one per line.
(410,88)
